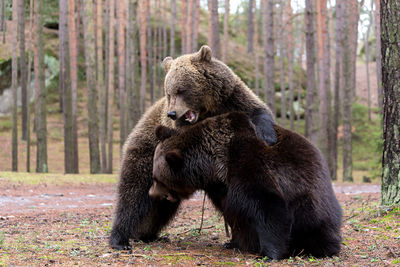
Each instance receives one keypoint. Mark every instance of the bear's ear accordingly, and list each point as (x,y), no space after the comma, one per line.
(162,132)
(204,54)
(174,158)
(167,63)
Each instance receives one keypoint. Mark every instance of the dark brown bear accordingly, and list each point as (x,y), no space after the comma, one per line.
(197,86)
(277,199)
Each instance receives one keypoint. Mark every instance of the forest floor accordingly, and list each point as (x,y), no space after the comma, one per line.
(66,221)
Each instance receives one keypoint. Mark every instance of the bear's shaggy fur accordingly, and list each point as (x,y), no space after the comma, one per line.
(197,86)
(277,199)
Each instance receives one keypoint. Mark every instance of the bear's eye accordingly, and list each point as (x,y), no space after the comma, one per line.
(179,92)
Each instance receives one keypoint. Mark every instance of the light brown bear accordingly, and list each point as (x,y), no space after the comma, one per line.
(196,86)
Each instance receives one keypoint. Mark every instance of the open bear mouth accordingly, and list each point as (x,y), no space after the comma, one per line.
(191,116)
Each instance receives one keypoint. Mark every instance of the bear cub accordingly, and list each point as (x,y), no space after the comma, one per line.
(278,200)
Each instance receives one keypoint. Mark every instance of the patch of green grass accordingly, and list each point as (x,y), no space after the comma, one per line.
(5,125)
(56,179)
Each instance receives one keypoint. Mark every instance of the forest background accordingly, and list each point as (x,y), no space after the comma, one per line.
(76,76)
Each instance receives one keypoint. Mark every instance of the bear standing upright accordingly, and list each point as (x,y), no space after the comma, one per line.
(196,86)
(277,199)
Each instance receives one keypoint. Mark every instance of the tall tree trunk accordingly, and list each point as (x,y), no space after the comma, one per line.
(172,28)
(300,83)
(183,26)
(347,98)
(90,54)
(164,28)
(110,79)
(290,61)
(143,56)
(3,19)
(65,84)
(73,53)
(340,6)
(256,56)
(22,61)
(215,44)
(378,52)
(40,95)
(353,31)
(133,92)
(189,26)
(100,85)
(14,85)
(390,21)
(196,14)
(324,142)
(29,89)
(282,42)
(150,54)
(367,60)
(269,55)
(121,69)
(311,116)
(250,28)
(226,26)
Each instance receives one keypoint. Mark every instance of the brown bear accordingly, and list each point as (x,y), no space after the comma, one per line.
(196,86)
(277,199)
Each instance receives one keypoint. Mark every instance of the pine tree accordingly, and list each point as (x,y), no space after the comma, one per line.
(390,36)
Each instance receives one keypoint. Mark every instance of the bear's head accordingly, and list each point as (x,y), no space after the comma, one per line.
(170,174)
(196,86)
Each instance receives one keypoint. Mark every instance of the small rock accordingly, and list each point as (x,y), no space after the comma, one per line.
(116,255)
(214,236)
(52,261)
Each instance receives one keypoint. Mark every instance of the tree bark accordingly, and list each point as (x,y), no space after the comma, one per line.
(172,28)
(269,55)
(366,41)
(90,54)
(340,6)
(378,52)
(29,90)
(40,95)
(324,142)
(215,44)
(250,28)
(150,54)
(347,99)
(143,56)
(164,28)
(121,69)
(133,92)
(65,84)
(226,26)
(14,85)
(300,84)
(390,36)
(282,53)
(183,26)
(100,85)
(110,79)
(189,26)
(311,116)
(289,31)
(73,50)
(196,14)
(22,61)
(3,19)
(256,56)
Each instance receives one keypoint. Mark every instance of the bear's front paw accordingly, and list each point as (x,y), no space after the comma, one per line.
(230,245)
(120,244)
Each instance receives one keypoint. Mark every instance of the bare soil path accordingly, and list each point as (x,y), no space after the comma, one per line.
(69,225)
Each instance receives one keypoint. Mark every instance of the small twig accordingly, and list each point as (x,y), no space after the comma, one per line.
(202,213)
(208,227)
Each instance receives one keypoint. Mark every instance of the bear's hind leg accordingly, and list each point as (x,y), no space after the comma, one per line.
(265,214)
